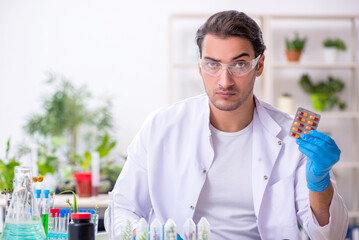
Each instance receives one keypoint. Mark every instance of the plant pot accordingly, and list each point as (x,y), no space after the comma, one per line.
(331,54)
(83,184)
(293,55)
(318,101)
(286,103)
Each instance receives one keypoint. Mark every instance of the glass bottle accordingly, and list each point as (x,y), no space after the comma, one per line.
(23,218)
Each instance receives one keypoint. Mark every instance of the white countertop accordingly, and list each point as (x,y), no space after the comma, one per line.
(88,202)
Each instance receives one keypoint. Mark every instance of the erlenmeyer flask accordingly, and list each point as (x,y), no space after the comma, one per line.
(23,220)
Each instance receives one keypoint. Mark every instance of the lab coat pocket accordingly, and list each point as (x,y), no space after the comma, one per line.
(278,209)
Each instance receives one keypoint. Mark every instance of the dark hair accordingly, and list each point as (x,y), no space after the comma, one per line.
(232,23)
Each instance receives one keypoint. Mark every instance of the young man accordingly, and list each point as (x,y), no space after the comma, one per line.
(227,156)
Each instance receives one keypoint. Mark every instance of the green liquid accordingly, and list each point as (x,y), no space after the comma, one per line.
(29,230)
(45,222)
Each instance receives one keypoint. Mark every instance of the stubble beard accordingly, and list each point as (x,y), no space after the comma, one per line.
(234,106)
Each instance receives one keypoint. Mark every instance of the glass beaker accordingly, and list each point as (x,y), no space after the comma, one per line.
(23,218)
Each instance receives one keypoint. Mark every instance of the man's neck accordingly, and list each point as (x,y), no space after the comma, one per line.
(232,121)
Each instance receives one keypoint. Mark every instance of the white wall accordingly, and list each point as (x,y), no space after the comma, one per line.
(117,48)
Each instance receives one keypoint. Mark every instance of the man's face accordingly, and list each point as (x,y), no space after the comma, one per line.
(227,92)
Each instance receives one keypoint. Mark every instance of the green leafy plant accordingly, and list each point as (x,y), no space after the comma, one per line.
(204,235)
(47,161)
(7,171)
(103,149)
(296,44)
(334,43)
(326,89)
(144,236)
(65,121)
(127,233)
(73,206)
(110,170)
(65,111)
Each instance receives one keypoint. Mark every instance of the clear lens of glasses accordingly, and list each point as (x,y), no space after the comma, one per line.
(235,68)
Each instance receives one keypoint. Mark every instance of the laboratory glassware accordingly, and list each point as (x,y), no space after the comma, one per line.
(23,218)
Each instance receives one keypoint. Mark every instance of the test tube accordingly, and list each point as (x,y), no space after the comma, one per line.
(53,224)
(67,211)
(142,229)
(189,230)
(170,230)
(94,219)
(52,199)
(156,230)
(38,200)
(125,230)
(110,217)
(62,225)
(203,229)
(45,208)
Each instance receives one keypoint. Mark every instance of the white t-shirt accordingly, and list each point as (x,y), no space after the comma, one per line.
(227,190)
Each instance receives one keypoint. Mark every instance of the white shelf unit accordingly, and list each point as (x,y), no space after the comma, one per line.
(347,170)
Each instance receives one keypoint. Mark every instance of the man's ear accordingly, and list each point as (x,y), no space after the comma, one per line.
(260,65)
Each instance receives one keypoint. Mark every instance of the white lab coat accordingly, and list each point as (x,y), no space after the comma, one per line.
(169,157)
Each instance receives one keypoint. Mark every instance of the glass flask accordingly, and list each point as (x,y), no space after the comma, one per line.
(23,218)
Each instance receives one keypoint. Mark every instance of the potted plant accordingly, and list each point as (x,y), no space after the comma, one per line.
(295,47)
(65,121)
(332,46)
(323,94)
(83,175)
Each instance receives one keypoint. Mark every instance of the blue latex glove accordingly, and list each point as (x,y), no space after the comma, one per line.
(322,153)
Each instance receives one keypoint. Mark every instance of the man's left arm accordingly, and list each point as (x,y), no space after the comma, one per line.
(322,153)
(320,203)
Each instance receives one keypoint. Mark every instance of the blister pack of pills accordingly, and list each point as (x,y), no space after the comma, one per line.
(303,122)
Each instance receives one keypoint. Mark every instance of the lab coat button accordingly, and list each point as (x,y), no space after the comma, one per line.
(259,159)
(204,171)
(265,177)
(279,142)
(192,207)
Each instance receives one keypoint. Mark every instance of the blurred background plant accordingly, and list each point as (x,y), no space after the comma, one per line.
(7,167)
(65,126)
(294,47)
(324,93)
(297,43)
(334,43)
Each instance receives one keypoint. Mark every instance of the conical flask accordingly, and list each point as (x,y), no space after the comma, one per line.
(23,219)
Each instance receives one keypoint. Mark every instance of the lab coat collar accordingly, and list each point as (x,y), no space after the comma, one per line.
(262,108)
(267,121)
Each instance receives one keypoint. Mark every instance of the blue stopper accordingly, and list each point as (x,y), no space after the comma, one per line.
(92,211)
(66,210)
(62,212)
(46,193)
(82,210)
(38,193)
